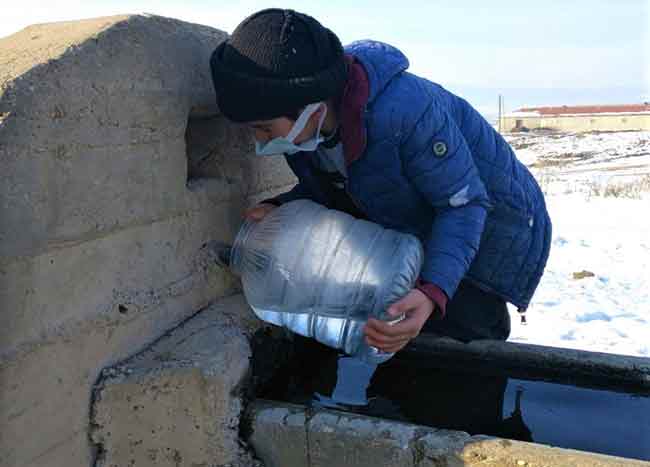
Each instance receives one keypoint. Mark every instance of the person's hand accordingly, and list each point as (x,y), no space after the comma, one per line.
(258,212)
(416,308)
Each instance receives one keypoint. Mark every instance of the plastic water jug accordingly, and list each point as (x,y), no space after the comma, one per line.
(322,273)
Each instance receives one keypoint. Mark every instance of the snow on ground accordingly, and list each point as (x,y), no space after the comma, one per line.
(598,194)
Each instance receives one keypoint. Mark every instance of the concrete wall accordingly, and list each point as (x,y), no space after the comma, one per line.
(579,123)
(101,230)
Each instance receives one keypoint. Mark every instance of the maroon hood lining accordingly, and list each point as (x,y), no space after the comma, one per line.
(353,104)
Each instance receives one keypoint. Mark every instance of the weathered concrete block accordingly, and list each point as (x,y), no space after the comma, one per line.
(117,278)
(495,452)
(335,438)
(90,130)
(280,435)
(93,118)
(45,393)
(102,231)
(178,402)
(436,448)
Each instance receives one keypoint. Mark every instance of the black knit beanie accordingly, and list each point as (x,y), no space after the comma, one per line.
(276,62)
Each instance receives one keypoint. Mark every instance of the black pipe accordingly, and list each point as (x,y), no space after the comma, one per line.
(534,361)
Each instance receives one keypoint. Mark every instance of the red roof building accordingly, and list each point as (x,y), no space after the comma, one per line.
(588,109)
(579,118)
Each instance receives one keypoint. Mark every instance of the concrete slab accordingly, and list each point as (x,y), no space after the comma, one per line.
(340,438)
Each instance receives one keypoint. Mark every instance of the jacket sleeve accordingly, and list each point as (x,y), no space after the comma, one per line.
(438,161)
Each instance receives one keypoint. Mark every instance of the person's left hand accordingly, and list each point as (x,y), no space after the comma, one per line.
(416,308)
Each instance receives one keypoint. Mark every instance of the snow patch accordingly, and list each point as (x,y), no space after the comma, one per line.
(594,230)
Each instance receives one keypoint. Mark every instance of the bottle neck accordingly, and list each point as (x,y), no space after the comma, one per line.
(238,247)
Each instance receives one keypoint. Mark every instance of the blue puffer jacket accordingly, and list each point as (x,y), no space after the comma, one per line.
(434,167)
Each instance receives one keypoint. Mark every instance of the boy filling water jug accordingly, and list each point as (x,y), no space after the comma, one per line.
(322,273)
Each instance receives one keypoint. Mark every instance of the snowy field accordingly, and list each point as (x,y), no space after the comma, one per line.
(595,293)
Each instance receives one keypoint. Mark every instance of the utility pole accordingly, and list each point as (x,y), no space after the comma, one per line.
(502,113)
(500,102)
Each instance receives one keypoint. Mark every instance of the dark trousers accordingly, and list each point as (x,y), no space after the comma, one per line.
(472,314)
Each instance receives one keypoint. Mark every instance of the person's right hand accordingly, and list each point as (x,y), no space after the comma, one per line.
(257,213)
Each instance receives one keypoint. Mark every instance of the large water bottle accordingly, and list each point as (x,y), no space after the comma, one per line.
(322,273)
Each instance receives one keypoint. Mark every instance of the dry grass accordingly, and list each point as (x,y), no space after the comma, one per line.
(634,189)
(544,179)
(564,159)
(521,144)
(542,163)
(550,183)
(591,168)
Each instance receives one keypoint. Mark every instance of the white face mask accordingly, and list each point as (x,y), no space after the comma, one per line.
(285,144)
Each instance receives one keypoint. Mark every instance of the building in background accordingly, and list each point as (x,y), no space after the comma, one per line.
(584,118)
